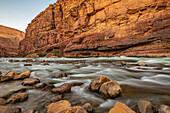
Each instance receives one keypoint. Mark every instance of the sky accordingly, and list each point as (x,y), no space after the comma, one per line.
(19,13)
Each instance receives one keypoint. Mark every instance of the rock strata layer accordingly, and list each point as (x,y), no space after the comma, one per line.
(93,28)
(9,41)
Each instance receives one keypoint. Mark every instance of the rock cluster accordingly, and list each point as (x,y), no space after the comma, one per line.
(92,28)
(110,89)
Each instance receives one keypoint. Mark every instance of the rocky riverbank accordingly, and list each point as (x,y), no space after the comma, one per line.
(23,92)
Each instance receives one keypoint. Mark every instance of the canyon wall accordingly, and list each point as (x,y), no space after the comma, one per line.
(92,28)
(9,41)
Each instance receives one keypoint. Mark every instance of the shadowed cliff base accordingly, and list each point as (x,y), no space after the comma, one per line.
(93,28)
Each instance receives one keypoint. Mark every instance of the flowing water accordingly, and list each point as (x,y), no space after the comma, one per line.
(150,82)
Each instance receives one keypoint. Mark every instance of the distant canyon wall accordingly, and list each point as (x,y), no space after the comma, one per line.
(9,41)
(93,28)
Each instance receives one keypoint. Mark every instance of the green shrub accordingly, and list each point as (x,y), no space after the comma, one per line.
(42,54)
(57,52)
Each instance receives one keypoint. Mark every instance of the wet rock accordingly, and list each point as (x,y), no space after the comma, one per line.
(121,108)
(5,78)
(27,64)
(6,109)
(10,60)
(110,89)
(30,81)
(76,83)
(88,107)
(32,111)
(145,107)
(18,98)
(62,75)
(164,109)
(123,62)
(95,84)
(16,60)
(2,102)
(65,88)
(29,60)
(23,75)
(46,63)
(11,74)
(0,73)
(40,85)
(142,64)
(76,109)
(59,107)
(37,60)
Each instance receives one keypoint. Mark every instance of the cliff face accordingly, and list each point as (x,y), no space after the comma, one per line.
(9,41)
(90,28)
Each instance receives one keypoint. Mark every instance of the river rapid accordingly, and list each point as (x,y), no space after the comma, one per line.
(151,82)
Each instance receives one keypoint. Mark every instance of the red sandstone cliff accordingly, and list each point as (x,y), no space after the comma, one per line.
(9,41)
(90,28)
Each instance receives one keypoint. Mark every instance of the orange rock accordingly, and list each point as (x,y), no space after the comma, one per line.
(121,108)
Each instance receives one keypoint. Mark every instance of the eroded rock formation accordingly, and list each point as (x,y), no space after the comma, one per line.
(9,41)
(91,28)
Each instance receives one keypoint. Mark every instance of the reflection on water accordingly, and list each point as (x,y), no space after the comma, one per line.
(150,82)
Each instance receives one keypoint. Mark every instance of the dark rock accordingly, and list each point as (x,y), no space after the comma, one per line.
(32,111)
(27,64)
(10,60)
(62,75)
(95,84)
(16,60)
(145,107)
(110,89)
(49,87)
(40,85)
(5,78)
(88,107)
(46,63)
(164,109)
(23,75)
(65,88)
(30,81)
(76,83)
(18,98)
(0,73)
(29,60)
(2,102)
(6,109)
(121,108)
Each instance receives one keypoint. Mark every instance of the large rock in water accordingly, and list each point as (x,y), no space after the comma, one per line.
(5,109)
(121,108)
(9,41)
(23,75)
(92,28)
(95,84)
(18,98)
(145,107)
(164,109)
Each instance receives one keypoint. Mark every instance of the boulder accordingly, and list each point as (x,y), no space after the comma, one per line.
(30,81)
(58,107)
(2,102)
(76,83)
(95,84)
(11,74)
(23,75)
(65,88)
(62,75)
(10,60)
(6,109)
(123,62)
(121,108)
(32,111)
(27,64)
(37,60)
(18,98)
(142,64)
(110,89)
(46,63)
(29,60)
(145,107)
(76,109)
(88,107)
(5,78)
(164,109)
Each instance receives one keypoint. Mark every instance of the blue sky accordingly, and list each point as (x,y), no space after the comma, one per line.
(18,13)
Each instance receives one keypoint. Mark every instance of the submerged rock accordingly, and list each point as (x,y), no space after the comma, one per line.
(23,75)
(6,109)
(65,88)
(62,75)
(2,102)
(110,89)
(27,64)
(121,108)
(145,107)
(95,84)
(59,107)
(18,98)
(88,107)
(164,109)
(30,81)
